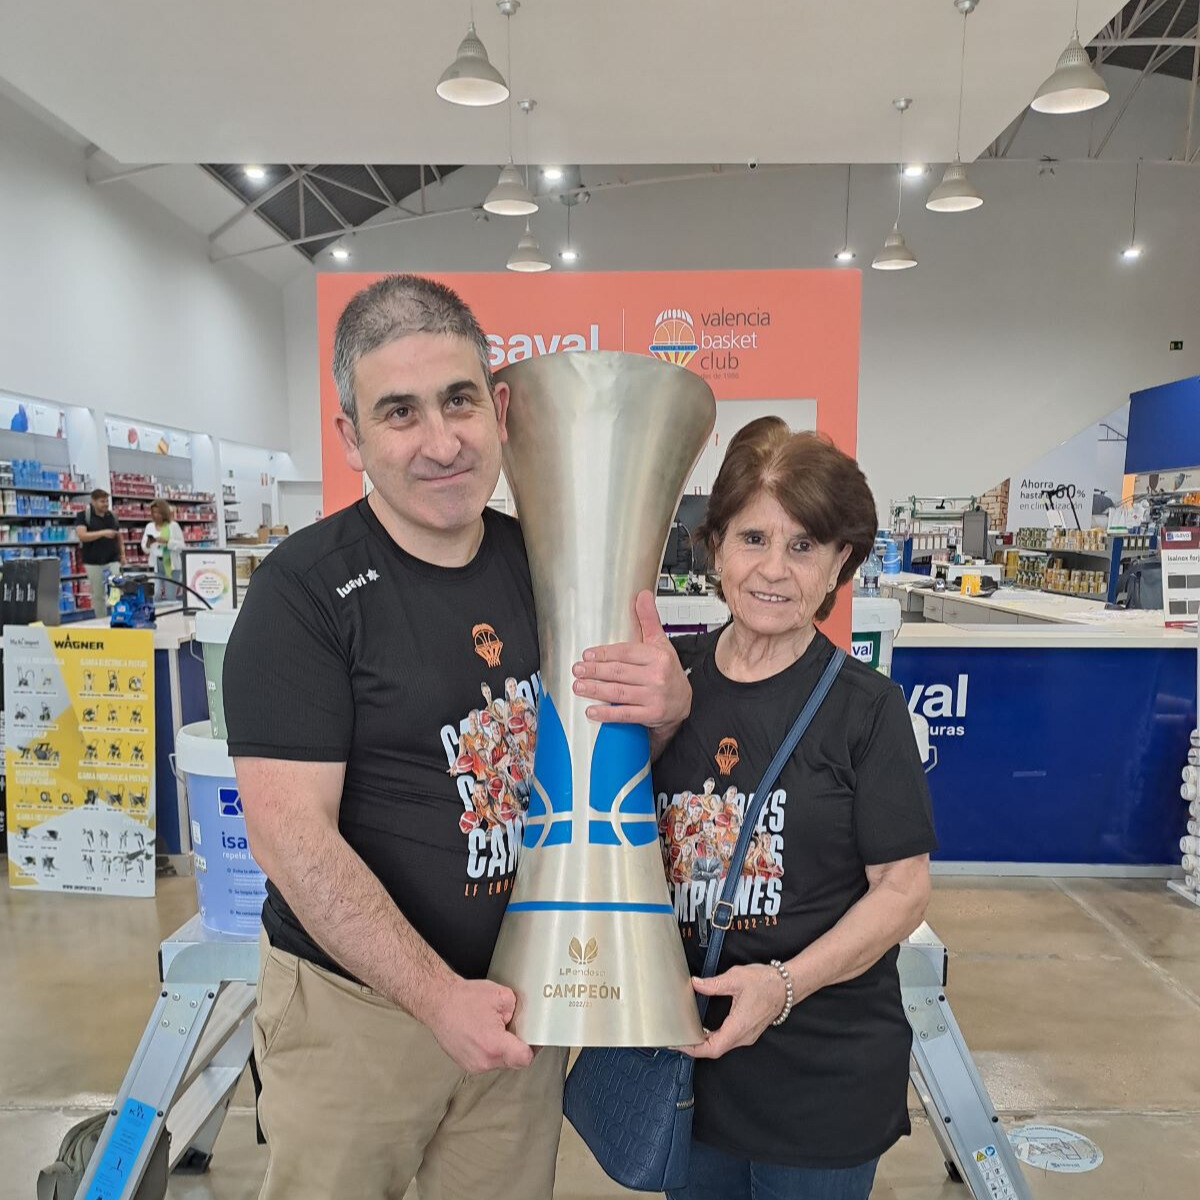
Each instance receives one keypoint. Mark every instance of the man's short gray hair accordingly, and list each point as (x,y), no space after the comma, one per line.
(392,308)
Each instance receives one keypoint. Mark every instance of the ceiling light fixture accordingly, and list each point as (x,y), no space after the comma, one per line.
(955,193)
(470,79)
(895,255)
(528,255)
(511,196)
(568,253)
(257,174)
(1133,250)
(845,254)
(552,174)
(1075,86)
(915,170)
(340,252)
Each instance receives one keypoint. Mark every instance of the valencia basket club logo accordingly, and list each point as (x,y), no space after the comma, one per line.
(727,756)
(487,644)
(674,338)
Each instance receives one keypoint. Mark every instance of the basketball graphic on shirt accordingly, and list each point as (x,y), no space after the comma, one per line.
(727,756)
(487,644)
(674,339)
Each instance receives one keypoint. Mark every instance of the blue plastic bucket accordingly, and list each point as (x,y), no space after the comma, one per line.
(229,884)
(891,557)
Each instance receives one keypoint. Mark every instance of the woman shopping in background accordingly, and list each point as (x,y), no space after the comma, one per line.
(162,542)
(802,1082)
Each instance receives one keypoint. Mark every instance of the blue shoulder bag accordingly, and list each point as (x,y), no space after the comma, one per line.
(633,1106)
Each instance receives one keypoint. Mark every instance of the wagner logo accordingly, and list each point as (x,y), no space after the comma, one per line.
(583,955)
(727,756)
(674,338)
(70,643)
(487,644)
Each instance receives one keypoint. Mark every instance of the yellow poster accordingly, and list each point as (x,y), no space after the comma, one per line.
(79,752)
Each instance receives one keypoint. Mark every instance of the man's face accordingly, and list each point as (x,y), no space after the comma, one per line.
(100,505)
(429,434)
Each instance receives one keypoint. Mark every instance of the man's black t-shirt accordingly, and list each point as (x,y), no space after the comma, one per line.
(103,550)
(423,680)
(828,1088)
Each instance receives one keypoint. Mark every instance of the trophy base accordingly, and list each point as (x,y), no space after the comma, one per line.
(588,977)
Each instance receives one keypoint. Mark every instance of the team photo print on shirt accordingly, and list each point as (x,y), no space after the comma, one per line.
(490,757)
(698,832)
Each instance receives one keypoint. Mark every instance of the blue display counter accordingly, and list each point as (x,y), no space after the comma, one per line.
(1055,744)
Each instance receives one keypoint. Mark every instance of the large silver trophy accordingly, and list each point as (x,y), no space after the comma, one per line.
(600,447)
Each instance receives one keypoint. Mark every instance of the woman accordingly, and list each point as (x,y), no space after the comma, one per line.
(800,1088)
(162,541)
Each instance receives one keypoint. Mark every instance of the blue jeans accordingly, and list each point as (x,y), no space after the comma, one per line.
(715,1175)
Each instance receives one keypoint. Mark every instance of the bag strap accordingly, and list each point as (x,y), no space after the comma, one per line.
(720,923)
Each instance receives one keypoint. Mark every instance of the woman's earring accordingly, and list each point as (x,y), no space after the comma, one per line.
(830,587)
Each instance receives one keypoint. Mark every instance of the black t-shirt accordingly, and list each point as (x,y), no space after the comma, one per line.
(103,550)
(423,680)
(828,1088)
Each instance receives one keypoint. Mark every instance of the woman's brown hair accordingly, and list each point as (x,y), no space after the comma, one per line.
(822,489)
(163,508)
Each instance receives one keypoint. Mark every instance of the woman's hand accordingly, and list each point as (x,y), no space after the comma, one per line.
(759,995)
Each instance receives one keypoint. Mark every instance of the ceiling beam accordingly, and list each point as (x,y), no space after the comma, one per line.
(253,206)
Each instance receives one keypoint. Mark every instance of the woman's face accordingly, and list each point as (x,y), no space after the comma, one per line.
(773,575)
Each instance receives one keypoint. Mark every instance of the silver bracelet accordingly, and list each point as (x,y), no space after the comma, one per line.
(791,995)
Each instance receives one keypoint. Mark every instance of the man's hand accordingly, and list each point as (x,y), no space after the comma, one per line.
(639,683)
(471,1025)
(110,533)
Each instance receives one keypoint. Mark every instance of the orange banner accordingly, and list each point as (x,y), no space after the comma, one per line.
(751,335)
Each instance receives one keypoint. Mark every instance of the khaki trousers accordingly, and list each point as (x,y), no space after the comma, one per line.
(358,1099)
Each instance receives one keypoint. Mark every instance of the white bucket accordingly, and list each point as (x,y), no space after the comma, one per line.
(212,632)
(229,884)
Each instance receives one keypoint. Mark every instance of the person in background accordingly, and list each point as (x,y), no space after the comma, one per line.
(100,547)
(803,1082)
(162,542)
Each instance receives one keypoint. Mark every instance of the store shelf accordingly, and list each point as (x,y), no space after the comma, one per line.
(60,545)
(39,516)
(196,520)
(66,577)
(1076,595)
(8,487)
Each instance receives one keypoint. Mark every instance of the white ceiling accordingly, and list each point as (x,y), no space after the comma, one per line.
(633,81)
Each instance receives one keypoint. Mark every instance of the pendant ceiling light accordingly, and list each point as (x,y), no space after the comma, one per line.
(895,255)
(1133,251)
(511,196)
(1075,85)
(845,254)
(955,193)
(528,255)
(471,79)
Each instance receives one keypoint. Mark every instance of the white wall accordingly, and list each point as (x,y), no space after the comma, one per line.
(1020,327)
(109,302)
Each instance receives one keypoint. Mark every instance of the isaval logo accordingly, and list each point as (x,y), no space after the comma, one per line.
(674,339)
(230,802)
(727,756)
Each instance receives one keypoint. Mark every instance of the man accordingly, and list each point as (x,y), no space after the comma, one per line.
(360,658)
(100,545)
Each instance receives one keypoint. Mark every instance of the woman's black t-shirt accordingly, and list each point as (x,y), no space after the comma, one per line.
(828,1088)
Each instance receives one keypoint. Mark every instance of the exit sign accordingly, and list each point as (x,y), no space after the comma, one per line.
(1177,345)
